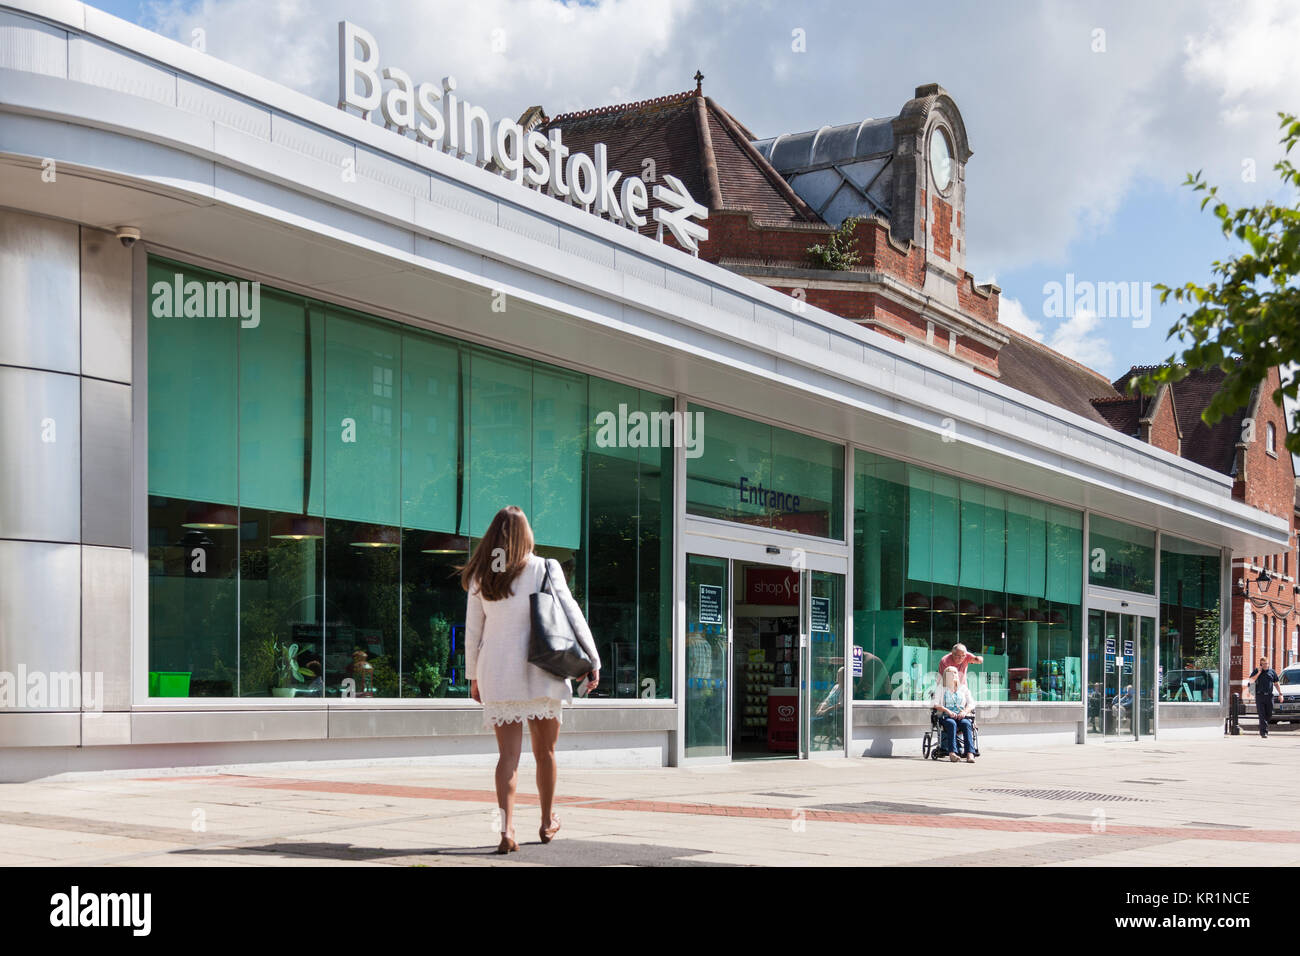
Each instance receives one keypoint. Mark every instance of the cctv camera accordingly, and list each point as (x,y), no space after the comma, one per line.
(128,235)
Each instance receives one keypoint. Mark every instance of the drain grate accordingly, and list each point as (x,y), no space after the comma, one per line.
(788,796)
(881,806)
(1080,795)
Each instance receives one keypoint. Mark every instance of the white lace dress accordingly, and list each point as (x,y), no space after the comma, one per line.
(496,650)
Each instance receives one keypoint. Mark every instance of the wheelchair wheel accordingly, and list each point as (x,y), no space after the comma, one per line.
(925,745)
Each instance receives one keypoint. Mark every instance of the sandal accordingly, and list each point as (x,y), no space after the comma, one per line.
(548,833)
(507,845)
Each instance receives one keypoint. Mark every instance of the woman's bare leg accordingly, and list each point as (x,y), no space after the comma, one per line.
(543,734)
(510,740)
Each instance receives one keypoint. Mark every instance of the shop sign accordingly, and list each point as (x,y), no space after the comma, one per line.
(771,586)
(443,120)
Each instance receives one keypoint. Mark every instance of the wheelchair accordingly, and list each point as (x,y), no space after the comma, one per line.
(932,742)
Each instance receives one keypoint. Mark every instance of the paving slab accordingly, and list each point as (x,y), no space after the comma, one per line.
(1215,802)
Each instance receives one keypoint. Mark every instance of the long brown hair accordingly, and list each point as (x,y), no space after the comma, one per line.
(500,556)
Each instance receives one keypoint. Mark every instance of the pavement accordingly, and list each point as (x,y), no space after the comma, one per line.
(1225,801)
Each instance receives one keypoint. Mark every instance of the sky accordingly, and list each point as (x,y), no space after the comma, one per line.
(1084,118)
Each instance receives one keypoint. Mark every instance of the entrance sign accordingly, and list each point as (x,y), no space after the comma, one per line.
(442,120)
(711,604)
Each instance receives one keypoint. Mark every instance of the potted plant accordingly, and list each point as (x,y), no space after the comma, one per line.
(287,672)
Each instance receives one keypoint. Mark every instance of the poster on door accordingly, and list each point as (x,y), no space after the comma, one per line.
(821,614)
(710,604)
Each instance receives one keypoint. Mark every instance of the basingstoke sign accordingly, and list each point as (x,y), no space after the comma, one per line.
(442,120)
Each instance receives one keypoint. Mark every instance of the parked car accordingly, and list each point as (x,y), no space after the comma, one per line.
(1288,709)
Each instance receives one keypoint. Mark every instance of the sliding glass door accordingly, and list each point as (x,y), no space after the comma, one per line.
(1121,675)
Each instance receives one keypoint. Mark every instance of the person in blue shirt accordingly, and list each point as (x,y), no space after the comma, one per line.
(1265,679)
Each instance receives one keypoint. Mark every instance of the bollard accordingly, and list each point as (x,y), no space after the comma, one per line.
(1233,723)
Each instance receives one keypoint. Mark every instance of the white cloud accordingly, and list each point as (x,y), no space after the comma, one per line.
(1012,314)
(1079,337)
(1061,134)
(506,55)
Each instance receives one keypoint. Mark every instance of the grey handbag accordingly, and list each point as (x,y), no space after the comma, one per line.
(554,645)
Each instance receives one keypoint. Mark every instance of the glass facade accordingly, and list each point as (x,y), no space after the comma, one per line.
(1190,631)
(316,476)
(1121,556)
(938,561)
(763,475)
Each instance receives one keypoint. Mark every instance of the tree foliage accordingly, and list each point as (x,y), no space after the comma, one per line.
(1246,320)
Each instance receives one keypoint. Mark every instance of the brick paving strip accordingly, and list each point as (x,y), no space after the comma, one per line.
(928,821)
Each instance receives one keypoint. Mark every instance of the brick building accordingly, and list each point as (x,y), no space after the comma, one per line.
(1248,446)
(769,200)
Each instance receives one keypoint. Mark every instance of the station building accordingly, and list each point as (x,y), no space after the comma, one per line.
(245,452)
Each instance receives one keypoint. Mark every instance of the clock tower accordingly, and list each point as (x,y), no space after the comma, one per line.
(929,194)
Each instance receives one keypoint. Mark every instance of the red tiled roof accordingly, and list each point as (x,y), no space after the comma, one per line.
(1214,446)
(1122,414)
(694,139)
(1030,366)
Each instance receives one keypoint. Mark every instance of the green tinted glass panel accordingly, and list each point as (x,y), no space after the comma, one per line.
(192,390)
(811,473)
(1018,521)
(944,555)
(559,431)
(995,539)
(977,572)
(1120,555)
(1065,555)
(762,475)
(430,433)
(920,522)
(281,420)
(402,426)
(500,436)
(1037,549)
(362,411)
(736,461)
(972,535)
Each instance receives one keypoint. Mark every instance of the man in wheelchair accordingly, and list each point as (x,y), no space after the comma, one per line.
(953,715)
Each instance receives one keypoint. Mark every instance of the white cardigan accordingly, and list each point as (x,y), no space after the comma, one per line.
(497,635)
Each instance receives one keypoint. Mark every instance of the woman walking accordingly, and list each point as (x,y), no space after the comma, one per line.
(499,578)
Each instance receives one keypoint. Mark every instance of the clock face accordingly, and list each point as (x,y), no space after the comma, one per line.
(940,160)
